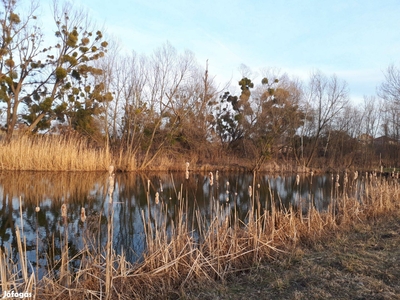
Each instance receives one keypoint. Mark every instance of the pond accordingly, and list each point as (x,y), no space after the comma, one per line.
(55,210)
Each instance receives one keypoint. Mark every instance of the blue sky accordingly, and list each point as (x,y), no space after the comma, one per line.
(356,40)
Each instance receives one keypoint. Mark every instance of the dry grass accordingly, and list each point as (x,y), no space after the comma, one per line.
(359,263)
(178,259)
(52,153)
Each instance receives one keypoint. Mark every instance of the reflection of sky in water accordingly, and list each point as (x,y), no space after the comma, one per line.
(130,204)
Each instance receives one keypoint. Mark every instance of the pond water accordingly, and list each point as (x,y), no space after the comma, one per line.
(47,207)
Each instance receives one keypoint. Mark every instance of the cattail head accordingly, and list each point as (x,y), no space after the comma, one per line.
(111,170)
(187,170)
(64,210)
(111,184)
(83,214)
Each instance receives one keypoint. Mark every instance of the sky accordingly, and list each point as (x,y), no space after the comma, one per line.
(355,40)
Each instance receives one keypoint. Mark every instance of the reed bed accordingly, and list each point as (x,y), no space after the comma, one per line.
(52,153)
(179,257)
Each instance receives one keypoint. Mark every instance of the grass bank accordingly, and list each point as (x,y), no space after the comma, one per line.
(177,262)
(358,263)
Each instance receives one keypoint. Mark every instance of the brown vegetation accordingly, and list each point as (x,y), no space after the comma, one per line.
(178,260)
(162,109)
(358,263)
(52,153)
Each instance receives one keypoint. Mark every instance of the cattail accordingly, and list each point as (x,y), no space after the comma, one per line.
(187,170)
(110,185)
(63,210)
(83,214)
(337,181)
(111,170)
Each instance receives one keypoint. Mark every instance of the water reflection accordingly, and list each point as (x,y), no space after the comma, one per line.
(69,209)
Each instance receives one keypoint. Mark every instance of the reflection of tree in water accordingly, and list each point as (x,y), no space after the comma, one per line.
(134,197)
(42,228)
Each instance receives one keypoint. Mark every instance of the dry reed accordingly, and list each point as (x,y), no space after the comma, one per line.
(52,153)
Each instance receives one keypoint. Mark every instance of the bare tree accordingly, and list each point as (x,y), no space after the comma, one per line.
(371,115)
(327,97)
(389,90)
